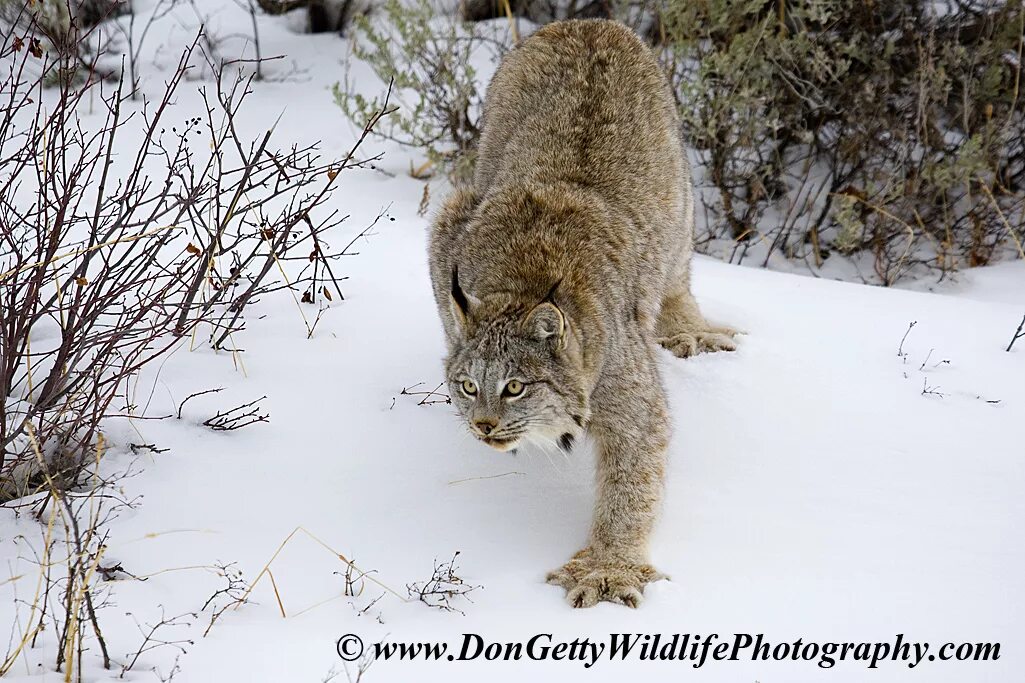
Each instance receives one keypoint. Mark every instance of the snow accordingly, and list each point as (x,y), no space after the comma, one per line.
(1003,282)
(820,486)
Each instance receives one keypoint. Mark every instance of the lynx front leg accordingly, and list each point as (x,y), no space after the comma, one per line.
(631,424)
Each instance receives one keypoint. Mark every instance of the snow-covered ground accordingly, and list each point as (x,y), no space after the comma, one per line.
(821,486)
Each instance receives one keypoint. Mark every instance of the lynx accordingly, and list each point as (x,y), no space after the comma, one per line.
(559,269)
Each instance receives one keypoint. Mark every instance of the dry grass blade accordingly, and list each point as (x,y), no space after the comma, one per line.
(299,529)
(492,476)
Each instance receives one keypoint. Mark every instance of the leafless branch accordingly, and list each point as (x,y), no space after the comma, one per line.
(150,641)
(192,396)
(444,586)
(1018,334)
(238,417)
(429,397)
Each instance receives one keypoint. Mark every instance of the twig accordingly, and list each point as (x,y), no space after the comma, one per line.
(428,396)
(443,587)
(192,396)
(900,349)
(493,476)
(235,592)
(152,448)
(151,642)
(1018,334)
(237,418)
(930,391)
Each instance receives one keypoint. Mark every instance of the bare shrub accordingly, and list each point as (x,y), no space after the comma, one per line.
(231,596)
(443,588)
(69,590)
(155,638)
(238,417)
(107,264)
(124,233)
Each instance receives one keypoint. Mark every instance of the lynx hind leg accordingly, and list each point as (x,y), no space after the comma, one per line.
(684,331)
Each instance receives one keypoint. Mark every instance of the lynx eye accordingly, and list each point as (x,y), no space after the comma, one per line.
(513,388)
(469,388)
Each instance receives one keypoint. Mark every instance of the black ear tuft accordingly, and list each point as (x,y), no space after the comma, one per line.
(550,296)
(457,292)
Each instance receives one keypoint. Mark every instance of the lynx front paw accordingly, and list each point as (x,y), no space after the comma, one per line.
(590,579)
(687,344)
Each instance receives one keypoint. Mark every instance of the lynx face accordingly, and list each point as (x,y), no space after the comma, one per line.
(513,374)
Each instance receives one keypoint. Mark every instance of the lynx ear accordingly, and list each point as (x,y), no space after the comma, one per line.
(546,322)
(459,301)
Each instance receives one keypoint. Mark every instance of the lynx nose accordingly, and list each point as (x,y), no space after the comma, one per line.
(485,427)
